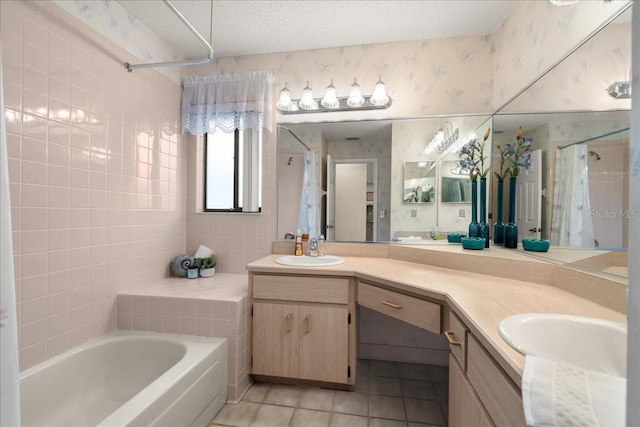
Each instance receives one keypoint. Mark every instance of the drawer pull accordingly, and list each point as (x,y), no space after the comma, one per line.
(449,336)
(307,324)
(392,305)
(288,322)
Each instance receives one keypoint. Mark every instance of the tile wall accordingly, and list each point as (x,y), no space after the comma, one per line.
(97,175)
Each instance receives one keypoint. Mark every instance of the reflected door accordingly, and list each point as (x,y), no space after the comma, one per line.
(350,201)
(529,199)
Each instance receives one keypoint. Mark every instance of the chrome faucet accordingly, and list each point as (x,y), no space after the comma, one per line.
(313,247)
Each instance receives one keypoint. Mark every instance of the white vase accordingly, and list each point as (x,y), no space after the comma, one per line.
(207,272)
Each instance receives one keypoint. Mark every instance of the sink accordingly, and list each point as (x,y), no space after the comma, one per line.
(310,261)
(594,344)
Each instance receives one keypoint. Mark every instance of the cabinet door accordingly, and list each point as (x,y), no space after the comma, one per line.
(465,409)
(275,339)
(324,343)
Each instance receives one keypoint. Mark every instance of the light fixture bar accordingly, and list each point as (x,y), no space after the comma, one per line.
(343,106)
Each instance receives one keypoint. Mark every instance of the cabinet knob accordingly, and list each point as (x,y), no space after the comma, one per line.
(288,323)
(307,324)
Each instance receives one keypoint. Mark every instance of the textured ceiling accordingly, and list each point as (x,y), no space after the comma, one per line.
(246,27)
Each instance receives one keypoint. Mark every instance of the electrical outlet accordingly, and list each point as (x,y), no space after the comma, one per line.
(461,213)
(414,213)
(383,213)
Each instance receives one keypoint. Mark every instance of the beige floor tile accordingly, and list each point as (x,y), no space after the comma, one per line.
(418,389)
(413,371)
(239,415)
(343,420)
(442,391)
(439,373)
(285,395)
(362,383)
(386,407)
(385,385)
(272,416)
(379,422)
(347,402)
(363,367)
(317,398)
(384,369)
(424,411)
(256,392)
(309,418)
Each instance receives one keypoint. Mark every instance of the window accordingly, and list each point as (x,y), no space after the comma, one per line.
(233,171)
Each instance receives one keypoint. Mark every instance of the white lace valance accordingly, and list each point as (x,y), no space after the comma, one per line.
(227,101)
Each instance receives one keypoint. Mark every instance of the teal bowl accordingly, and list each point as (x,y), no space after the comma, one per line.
(455,237)
(535,245)
(476,243)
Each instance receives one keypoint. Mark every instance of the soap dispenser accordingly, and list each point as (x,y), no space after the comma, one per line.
(298,247)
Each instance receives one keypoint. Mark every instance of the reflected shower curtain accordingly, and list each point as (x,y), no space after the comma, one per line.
(309,215)
(9,369)
(572,224)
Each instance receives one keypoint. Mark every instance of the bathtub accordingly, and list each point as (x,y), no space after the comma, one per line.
(129,378)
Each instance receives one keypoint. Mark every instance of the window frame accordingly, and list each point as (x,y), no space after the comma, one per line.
(237,208)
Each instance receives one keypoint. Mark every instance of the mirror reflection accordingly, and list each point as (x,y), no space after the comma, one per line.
(580,132)
(419,182)
(389,205)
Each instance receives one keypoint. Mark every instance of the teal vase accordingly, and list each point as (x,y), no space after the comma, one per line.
(498,227)
(483,225)
(473,226)
(511,228)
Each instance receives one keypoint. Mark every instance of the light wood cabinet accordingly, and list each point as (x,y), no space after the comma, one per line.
(303,328)
(465,408)
(480,393)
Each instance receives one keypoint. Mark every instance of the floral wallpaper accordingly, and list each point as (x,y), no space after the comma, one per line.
(536,35)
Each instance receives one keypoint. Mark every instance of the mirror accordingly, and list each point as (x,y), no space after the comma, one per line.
(392,144)
(580,130)
(419,182)
(454,183)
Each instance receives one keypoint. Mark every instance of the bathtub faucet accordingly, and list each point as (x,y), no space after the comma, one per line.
(313,247)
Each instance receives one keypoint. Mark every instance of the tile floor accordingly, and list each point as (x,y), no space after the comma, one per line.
(388,394)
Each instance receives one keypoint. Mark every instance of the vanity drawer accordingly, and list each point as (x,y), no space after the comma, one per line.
(457,337)
(500,395)
(421,313)
(332,290)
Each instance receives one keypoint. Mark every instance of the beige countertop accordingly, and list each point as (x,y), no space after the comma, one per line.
(481,300)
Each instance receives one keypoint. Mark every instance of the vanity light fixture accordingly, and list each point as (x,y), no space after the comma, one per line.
(331,102)
(442,139)
(620,90)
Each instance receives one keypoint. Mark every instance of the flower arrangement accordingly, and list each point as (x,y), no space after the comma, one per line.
(519,154)
(504,157)
(472,157)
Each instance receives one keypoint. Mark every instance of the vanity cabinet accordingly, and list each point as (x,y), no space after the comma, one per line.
(480,392)
(303,328)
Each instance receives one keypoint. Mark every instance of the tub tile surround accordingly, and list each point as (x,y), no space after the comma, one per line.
(97,176)
(210,307)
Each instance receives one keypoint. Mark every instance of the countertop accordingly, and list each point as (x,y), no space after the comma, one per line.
(481,300)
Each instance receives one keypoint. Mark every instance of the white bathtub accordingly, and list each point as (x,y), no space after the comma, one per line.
(129,378)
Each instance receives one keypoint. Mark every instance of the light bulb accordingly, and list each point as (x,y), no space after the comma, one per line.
(330,100)
(284,101)
(379,97)
(355,96)
(307,102)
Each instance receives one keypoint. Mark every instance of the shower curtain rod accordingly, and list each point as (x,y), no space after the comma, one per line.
(594,138)
(296,137)
(130,67)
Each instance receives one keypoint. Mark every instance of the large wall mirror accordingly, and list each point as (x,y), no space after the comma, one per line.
(582,132)
(390,149)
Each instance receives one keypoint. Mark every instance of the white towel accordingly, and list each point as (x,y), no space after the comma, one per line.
(555,394)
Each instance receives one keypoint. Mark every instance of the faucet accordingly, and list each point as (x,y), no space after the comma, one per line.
(313,248)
